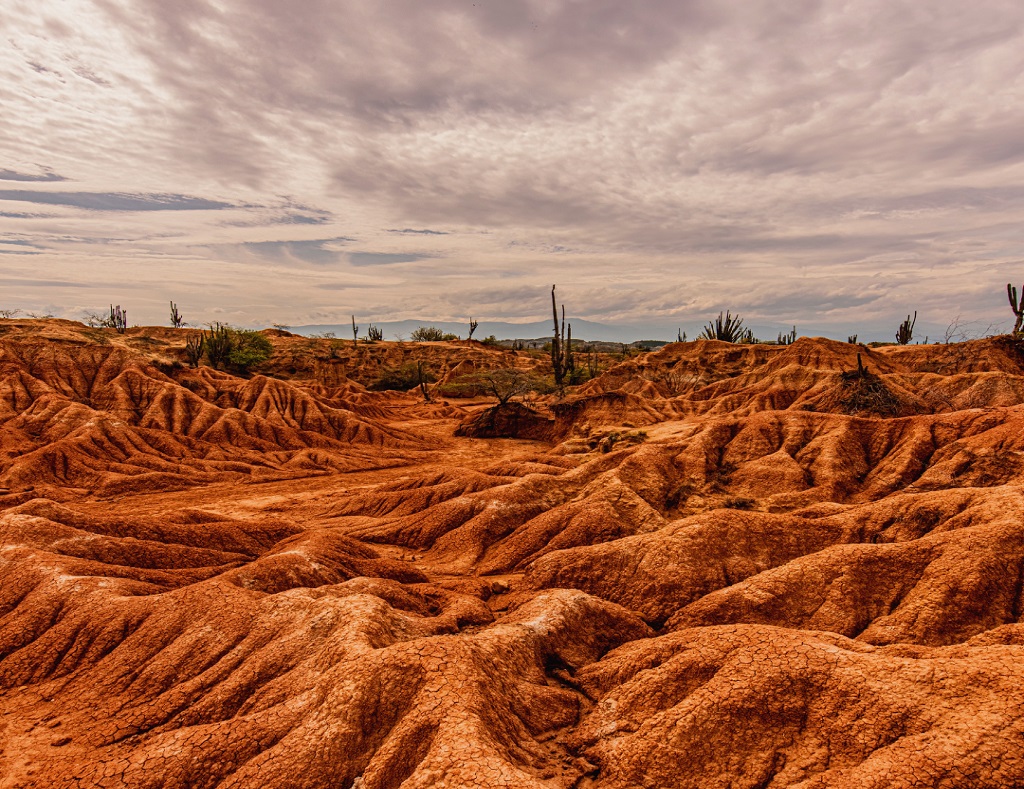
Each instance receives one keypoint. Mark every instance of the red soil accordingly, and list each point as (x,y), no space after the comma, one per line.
(722,565)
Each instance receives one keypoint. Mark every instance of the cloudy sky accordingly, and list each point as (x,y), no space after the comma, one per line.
(830,164)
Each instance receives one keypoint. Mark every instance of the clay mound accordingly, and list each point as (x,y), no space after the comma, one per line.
(994,354)
(863,393)
(752,706)
(540,464)
(811,374)
(893,571)
(713,378)
(318,559)
(680,367)
(500,527)
(96,416)
(353,397)
(508,420)
(359,680)
(413,495)
(581,414)
(785,460)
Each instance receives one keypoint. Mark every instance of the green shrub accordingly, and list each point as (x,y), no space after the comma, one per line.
(239,348)
(401,378)
(248,348)
(431,334)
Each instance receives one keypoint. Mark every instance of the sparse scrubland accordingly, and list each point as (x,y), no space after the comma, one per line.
(308,562)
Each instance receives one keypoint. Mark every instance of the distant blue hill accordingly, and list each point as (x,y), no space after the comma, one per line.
(581,329)
(591,330)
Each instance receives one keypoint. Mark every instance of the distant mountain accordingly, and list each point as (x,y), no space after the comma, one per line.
(581,330)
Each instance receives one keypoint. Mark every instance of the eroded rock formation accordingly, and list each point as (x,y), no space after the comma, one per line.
(713,566)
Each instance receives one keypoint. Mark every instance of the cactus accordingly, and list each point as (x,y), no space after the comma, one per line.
(472,327)
(355,332)
(905,333)
(118,319)
(852,339)
(561,346)
(218,344)
(680,335)
(1017,307)
(788,338)
(374,334)
(176,320)
(195,344)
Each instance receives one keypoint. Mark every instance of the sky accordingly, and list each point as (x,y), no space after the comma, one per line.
(833,165)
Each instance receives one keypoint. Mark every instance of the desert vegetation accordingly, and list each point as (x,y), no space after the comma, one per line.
(1017,307)
(256,559)
(431,334)
(905,333)
(176,320)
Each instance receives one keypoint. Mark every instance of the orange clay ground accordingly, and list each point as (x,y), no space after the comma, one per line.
(714,565)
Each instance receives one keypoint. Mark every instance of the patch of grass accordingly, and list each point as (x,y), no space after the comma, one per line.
(142,339)
(605,442)
(678,495)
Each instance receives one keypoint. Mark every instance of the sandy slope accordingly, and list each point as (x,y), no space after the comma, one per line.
(742,566)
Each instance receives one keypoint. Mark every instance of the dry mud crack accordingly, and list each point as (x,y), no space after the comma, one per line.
(722,570)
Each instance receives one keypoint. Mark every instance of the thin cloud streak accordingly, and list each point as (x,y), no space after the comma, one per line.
(96,201)
(46,175)
(384,258)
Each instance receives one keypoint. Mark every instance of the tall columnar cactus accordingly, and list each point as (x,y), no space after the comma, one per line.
(195,344)
(355,332)
(561,344)
(218,344)
(118,318)
(1017,307)
(176,320)
(472,327)
(905,333)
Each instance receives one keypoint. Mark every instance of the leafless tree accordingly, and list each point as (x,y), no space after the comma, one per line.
(505,383)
